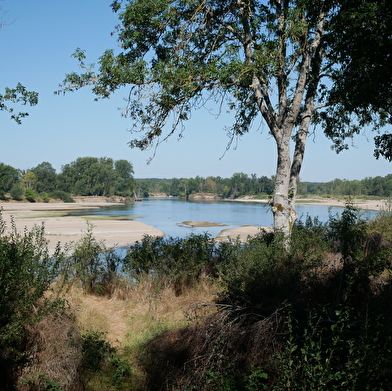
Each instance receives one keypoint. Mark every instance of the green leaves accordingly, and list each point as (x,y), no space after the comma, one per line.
(27,271)
(17,96)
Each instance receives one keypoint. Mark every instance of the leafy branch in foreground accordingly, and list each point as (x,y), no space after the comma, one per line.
(20,96)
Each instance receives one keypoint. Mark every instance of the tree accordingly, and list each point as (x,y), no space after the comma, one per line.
(29,179)
(45,176)
(277,60)
(125,184)
(9,176)
(97,176)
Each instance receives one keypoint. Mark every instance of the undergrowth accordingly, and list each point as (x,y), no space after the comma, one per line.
(314,317)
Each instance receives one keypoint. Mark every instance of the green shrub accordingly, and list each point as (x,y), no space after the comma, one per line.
(262,272)
(172,261)
(336,353)
(26,273)
(61,195)
(314,317)
(17,192)
(92,265)
(45,197)
(30,195)
(101,366)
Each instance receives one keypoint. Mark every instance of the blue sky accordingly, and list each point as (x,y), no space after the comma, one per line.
(36,46)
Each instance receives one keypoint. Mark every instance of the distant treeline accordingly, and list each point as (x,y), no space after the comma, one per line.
(91,176)
(86,176)
(241,184)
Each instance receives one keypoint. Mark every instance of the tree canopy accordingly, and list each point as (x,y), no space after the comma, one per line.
(97,176)
(361,38)
(283,60)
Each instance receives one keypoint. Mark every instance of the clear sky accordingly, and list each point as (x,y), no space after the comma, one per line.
(36,46)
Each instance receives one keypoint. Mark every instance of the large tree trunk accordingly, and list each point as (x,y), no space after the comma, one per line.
(283,202)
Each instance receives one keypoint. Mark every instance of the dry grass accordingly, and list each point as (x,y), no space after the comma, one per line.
(132,316)
(136,312)
(55,354)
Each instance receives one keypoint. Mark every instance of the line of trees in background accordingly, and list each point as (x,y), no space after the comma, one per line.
(91,176)
(241,184)
(86,176)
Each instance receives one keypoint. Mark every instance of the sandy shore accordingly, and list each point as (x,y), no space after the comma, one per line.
(117,233)
(67,229)
(358,203)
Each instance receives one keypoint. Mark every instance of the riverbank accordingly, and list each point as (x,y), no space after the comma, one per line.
(120,232)
(67,229)
(359,203)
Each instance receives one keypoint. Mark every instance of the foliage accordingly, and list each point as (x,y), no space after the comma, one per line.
(30,194)
(91,264)
(95,349)
(44,383)
(45,197)
(17,192)
(20,96)
(263,274)
(238,185)
(361,43)
(97,176)
(29,179)
(9,177)
(101,360)
(281,61)
(45,177)
(85,176)
(241,184)
(61,195)
(336,353)
(315,317)
(174,262)
(26,272)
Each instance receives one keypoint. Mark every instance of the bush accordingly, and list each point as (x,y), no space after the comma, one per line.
(45,197)
(61,195)
(263,273)
(175,262)
(336,353)
(316,316)
(17,192)
(101,360)
(92,265)
(30,195)
(26,272)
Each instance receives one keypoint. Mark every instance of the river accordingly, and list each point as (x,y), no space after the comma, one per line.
(168,214)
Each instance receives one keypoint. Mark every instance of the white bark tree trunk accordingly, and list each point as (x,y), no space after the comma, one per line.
(294,110)
(283,208)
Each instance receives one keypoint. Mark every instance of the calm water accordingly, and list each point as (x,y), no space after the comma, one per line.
(168,214)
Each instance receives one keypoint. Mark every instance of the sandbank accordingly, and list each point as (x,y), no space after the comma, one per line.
(68,229)
(357,203)
(117,233)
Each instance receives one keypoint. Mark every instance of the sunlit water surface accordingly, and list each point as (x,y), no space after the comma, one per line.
(168,214)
